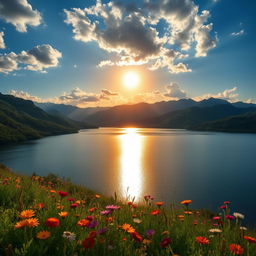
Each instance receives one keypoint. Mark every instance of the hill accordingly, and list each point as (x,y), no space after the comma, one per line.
(21,120)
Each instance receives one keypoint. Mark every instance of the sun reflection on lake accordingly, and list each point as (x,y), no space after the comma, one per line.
(131,176)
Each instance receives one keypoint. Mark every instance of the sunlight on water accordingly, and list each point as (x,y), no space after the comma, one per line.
(131,163)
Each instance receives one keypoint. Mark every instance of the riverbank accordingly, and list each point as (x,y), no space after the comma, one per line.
(52,216)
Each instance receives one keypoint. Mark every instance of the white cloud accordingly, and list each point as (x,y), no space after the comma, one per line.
(173,91)
(39,58)
(228,94)
(19,13)
(239,33)
(2,44)
(25,96)
(127,30)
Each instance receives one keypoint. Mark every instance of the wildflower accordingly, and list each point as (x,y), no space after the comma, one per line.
(146,241)
(136,236)
(216,218)
(83,223)
(43,235)
(155,212)
(243,228)
(188,212)
(90,218)
(112,207)
(105,212)
(250,239)
(21,224)
(63,194)
(202,240)
(93,234)
(138,221)
(60,207)
(40,206)
(150,232)
(230,217)
(148,197)
(32,222)
(27,214)
(128,228)
(165,242)
(63,215)
(71,199)
(186,202)
(69,235)
(238,215)
(223,207)
(73,205)
(181,217)
(97,196)
(226,202)
(88,243)
(164,233)
(52,222)
(159,204)
(93,209)
(92,224)
(53,191)
(215,230)
(236,249)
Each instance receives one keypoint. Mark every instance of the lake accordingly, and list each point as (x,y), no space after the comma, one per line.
(170,165)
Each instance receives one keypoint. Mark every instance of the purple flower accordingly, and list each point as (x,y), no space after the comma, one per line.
(150,232)
(105,212)
(93,224)
(112,207)
(102,231)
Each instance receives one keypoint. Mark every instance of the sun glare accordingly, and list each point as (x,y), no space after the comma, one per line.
(131,80)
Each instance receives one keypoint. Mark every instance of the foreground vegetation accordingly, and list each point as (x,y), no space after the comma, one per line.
(51,216)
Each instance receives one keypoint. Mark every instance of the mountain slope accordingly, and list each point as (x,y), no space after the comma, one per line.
(21,120)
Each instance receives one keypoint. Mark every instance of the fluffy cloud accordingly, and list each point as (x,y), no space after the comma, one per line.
(39,58)
(25,96)
(173,91)
(2,44)
(109,93)
(240,33)
(228,94)
(129,32)
(19,13)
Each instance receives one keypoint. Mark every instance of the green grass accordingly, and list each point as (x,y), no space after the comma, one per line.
(18,193)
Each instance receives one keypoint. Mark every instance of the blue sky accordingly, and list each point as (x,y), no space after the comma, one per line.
(195,49)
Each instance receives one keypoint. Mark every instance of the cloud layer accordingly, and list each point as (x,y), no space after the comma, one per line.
(130,32)
(2,44)
(39,58)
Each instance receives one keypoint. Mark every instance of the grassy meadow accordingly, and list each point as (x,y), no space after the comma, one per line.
(51,216)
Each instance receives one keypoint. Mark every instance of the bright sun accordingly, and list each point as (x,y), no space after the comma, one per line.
(131,80)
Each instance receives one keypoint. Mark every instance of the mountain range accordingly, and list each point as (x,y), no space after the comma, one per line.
(21,120)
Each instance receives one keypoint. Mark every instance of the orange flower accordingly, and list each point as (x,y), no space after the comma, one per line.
(136,236)
(159,203)
(188,212)
(128,228)
(181,217)
(83,223)
(97,196)
(21,224)
(32,222)
(186,202)
(53,191)
(27,214)
(202,240)
(250,239)
(92,209)
(236,249)
(43,235)
(63,215)
(155,212)
(52,222)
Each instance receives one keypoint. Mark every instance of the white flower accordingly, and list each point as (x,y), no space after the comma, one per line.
(137,220)
(238,215)
(215,230)
(69,235)
(243,228)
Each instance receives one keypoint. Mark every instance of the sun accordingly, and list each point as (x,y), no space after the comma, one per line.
(131,80)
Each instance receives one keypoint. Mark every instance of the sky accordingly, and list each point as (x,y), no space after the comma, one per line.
(81,52)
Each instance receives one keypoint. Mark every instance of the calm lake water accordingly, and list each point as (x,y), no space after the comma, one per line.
(171,165)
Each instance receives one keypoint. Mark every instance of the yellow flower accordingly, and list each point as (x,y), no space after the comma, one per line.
(32,222)
(63,215)
(128,228)
(43,235)
(27,214)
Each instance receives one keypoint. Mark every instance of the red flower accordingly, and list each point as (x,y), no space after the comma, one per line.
(223,207)
(136,236)
(88,243)
(155,212)
(236,249)
(52,222)
(165,242)
(93,234)
(226,202)
(73,205)
(216,218)
(202,240)
(250,239)
(63,194)
(230,217)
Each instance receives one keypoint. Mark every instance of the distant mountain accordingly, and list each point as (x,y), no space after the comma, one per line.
(192,117)
(21,120)
(239,123)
